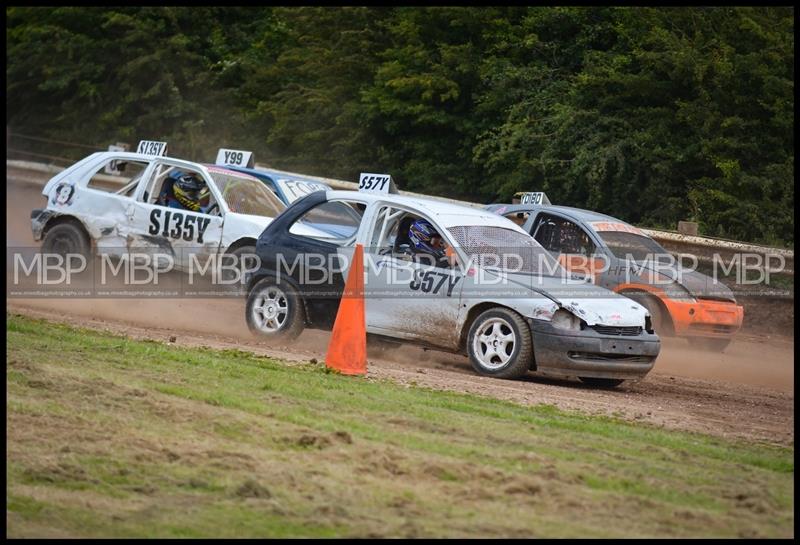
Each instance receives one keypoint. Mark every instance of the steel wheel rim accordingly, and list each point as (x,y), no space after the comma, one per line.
(493,343)
(270,309)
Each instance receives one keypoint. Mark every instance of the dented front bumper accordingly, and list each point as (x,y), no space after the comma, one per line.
(589,353)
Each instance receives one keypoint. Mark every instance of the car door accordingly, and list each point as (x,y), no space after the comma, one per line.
(190,238)
(570,244)
(316,253)
(405,298)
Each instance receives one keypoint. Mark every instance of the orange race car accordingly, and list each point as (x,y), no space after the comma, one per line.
(620,257)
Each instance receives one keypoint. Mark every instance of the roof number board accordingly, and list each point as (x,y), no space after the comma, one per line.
(235,158)
(537,197)
(376,183)
(151,147)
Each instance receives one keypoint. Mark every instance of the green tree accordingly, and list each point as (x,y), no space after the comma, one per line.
(649,114)
(652,115)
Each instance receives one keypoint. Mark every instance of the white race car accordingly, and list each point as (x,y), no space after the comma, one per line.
(89,210)
(489,290)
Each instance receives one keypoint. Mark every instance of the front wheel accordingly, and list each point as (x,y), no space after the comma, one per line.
(710,343)
(275,311)
(499,344)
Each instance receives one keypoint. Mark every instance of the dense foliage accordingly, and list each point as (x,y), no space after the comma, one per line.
(649,114)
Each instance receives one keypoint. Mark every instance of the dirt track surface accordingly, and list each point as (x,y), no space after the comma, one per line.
(668,396)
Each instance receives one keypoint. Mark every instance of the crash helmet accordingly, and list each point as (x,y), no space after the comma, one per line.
(420,233)
(190,191)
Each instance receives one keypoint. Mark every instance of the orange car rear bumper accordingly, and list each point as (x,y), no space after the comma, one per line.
(705,318)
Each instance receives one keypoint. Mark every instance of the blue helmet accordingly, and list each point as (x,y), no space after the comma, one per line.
(420,233)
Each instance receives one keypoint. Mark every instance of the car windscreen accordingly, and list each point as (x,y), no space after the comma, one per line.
(631,246)
(498,247)
(297,189)
(247,195)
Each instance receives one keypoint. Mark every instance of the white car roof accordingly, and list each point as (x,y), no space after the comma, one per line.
(81,167)
(180,162)
(445,214)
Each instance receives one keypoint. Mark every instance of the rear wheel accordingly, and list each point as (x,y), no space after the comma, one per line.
(274,311)
(499,344)
(710,343)
(602,382)
(67,238)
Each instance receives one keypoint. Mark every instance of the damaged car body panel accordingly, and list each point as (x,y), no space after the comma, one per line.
(40,217)
(462,301)
(125,212)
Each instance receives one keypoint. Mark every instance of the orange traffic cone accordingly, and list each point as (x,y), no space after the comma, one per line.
(347,351)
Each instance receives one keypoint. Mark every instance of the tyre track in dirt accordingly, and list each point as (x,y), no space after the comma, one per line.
(725,409)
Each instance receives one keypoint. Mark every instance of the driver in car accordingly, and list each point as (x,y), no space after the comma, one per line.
(185,191)
(428,246)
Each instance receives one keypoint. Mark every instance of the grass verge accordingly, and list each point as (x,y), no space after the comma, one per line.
(107,436)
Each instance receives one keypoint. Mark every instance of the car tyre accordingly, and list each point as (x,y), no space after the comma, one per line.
(602,382)
(67,238)
(499,344)
(275,310)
